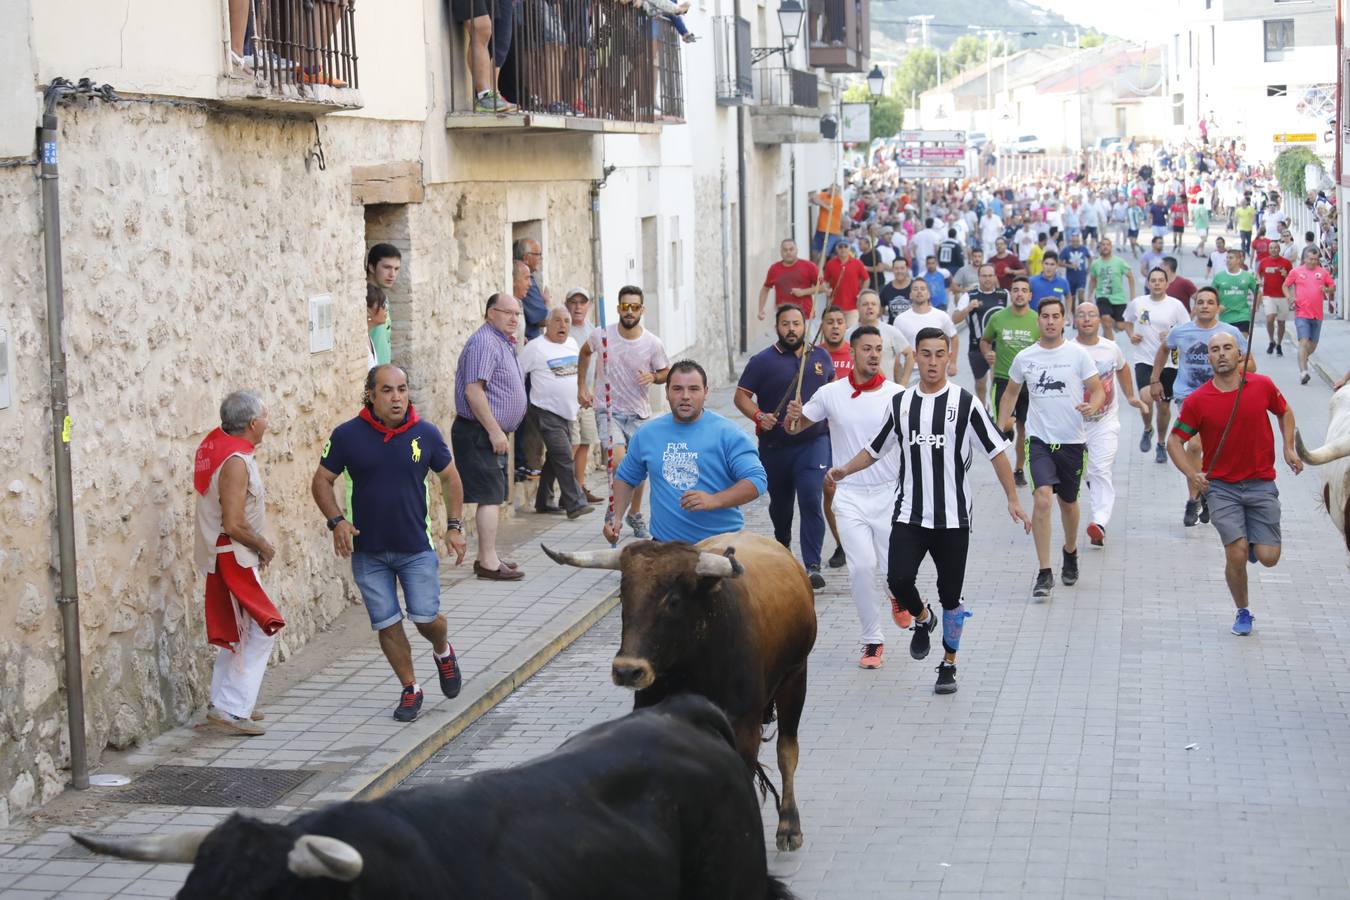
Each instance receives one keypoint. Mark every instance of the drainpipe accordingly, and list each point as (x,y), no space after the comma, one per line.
(67,600)
(727,314)
(741,212)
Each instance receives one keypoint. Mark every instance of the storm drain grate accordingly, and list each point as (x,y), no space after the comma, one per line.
(212,786)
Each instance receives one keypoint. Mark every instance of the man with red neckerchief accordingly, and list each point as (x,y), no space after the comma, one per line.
(387,452)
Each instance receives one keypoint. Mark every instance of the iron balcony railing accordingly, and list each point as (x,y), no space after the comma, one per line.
(787,87)
(597,59)
(308,43)
(837,34)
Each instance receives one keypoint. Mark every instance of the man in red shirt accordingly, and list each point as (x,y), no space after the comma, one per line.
(794,281)
(1006,265)
(1178,286)
(1177,211)
(1272,269)
(1238,477)
(1261,244)
(845,277)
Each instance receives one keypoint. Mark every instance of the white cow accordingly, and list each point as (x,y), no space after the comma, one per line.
(1334,456)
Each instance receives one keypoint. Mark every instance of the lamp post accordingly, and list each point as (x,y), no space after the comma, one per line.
(790,15)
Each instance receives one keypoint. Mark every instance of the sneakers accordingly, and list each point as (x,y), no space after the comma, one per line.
(1146,441)
(409,704)
(946,680)
(900,616)
(448,671)
(1270,348)
(871,657)
(492,102)
(1192,514)
(1160,455)
(920,643)
(1045,584)
(1097,534)
(1204,511)
(1069,572)
(837,558)
(1242,625)
(817,580)
(1019,478)
(639,526)
(1304,378)
(235,723)
(1279,350)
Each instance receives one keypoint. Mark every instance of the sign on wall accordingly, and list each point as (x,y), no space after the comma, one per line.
(856,127)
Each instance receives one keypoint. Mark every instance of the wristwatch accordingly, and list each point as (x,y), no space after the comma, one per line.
(453,524)
(333,522)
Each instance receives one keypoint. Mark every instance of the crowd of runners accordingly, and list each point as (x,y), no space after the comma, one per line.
(1047,284)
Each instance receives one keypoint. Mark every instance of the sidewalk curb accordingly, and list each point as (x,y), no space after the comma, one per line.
(508,672)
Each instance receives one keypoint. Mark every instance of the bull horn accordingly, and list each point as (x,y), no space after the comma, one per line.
(320,856)
(716,566)
(180,847)
(1324,454)
(587,559)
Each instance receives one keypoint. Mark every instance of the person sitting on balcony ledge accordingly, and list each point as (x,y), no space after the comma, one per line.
(478,16)
(672,11)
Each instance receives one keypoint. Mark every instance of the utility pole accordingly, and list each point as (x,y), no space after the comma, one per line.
(923,28)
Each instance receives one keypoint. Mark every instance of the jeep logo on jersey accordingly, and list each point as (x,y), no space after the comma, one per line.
(936,440)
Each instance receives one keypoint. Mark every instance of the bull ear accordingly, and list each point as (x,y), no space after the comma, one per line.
(714,566)
(320,856)
(180,847)
(591,559)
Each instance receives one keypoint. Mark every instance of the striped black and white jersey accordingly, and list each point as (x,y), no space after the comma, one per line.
(936,434)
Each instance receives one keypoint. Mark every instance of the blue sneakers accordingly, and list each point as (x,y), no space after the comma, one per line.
(1242,625)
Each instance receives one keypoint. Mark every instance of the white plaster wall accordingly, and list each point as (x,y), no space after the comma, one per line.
(20,105)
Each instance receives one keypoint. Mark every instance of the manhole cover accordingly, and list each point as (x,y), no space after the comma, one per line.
(212,786)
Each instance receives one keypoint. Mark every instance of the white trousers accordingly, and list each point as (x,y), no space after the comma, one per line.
(1103,437)
(863,515)
(238,673)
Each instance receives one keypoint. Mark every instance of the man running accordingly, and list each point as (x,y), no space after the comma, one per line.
(895,353)
(794,461)
(977,308)
(1272,269)
(851,407)
(1049,283)
(1188,346)
(1305,288)
(1077,258)
(1148,319)
(1103,429)
(1007,333)
(1058,375)
(919,316)
(792,280)
(1238,478)
(1111,284)
(1238,291)
(934,428)
(833,327)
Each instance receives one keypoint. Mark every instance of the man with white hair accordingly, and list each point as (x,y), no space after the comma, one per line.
(551,365)
(229,549)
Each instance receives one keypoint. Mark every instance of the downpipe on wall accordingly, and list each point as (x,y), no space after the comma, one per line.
(727,315)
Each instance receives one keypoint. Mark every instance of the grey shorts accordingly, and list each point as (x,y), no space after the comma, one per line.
(1245,509)
(583,428)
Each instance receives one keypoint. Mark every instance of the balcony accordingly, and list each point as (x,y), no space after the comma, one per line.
(838,35)
(299,57)
(582,65)
(731,57)
(788,107)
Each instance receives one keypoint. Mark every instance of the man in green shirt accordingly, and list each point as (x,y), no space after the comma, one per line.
(1235,287)
(1008,332)
(1111,284)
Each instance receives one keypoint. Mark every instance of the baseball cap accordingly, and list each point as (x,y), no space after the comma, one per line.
(577,290)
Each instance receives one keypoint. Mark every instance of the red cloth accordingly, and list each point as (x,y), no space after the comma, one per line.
(1179,214)
(846,280)
(783,279)
(1273,270)
(1249,452)
(385,429)
(1183,289)
(871,384)
(1261,246)
(212,452)
(1002,266)
(843,360)
(233,580)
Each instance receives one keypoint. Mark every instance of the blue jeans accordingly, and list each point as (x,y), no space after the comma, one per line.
(818,243)
(377,574)
(797,472)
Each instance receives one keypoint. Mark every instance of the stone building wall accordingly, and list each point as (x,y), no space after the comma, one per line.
(192,240)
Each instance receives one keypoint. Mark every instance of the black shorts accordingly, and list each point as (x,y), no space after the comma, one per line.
(1089,231)
(978,367)
(1019,408)
(1143,376)
(1178,229)
(1057,466)
(468,10)
(482,471)
(1241,326)
(1115,310)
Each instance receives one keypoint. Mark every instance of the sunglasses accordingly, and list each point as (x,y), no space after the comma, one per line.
(629,307)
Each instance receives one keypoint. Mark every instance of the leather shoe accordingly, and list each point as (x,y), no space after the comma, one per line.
(580,511)
(550,510)
(591,498)
(502,574)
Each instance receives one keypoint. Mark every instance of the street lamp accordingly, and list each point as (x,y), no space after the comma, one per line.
(790,15)
(876,82)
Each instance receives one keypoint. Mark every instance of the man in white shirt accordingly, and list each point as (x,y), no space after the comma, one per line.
(1148,319)
(854,407)
(584,431)
(921,314)
(1023,240)
(551,366)
(1057,375)
(923,245)
(991,229)
(895,348)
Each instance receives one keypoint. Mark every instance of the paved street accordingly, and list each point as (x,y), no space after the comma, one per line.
(1062,767)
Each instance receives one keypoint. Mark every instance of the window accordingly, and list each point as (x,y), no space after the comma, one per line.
(1279,39)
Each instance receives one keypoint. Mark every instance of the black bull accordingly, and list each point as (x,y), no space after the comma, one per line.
(653,805)
(732,618)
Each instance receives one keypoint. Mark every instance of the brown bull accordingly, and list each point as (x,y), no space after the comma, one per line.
(732,618)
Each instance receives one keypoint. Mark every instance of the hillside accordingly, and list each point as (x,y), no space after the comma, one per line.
(890,29)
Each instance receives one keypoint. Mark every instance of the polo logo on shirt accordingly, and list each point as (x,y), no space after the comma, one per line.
(416,450)
(327,445)
(819,371)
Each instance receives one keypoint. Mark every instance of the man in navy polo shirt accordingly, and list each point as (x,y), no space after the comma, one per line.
(387,452)
(794,463)
(1050,283)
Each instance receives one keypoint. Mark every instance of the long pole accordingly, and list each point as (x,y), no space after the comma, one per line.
(68,597)
(597,261)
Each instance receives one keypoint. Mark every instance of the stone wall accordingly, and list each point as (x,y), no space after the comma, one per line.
(192,241)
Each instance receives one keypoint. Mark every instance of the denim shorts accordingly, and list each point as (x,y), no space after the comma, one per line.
(418,573)
(1308,329)
(623,429)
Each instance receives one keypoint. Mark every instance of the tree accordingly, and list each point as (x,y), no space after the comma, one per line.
(967,51)
(1091,39)
(916,73)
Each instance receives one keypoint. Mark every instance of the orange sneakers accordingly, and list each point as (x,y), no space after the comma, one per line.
(900,616)
(871,658)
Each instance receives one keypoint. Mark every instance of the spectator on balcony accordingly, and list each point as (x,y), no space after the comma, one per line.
(829,221)
(536,299)
(668,10)
(794,281)
(484,49)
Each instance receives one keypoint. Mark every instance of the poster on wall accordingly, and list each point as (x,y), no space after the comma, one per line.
(856,127)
